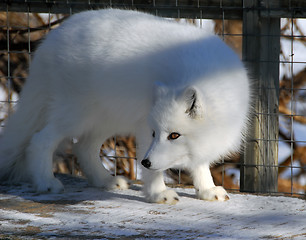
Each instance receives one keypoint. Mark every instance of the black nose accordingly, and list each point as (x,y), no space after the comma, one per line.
(146,163)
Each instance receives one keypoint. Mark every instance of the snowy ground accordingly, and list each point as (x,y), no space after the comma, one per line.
(83,212)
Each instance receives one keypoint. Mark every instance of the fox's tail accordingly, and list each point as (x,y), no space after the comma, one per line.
(29,118)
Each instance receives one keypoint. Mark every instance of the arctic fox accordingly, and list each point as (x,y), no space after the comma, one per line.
(182,92)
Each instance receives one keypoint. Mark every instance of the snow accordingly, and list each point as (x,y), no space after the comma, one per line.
(83,212)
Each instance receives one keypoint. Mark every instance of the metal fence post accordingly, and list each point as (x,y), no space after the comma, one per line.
(261,49)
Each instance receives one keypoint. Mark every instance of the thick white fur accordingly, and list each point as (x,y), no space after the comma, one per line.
(111,72)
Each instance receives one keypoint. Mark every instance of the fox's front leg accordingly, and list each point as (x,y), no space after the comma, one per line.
(204,185)
(155,189)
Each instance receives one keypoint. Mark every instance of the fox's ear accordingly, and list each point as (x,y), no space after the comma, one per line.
(194,105)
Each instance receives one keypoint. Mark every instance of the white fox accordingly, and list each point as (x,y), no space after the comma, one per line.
(182,92)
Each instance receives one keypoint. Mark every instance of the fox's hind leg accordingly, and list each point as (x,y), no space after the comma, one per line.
(204,185)
(87,150)
(39,157)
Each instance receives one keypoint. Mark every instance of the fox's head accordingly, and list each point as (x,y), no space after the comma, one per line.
(173,119)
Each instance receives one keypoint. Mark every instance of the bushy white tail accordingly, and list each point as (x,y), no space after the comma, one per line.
(21,125)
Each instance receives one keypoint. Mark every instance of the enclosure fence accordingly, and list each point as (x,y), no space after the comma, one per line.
(267,34)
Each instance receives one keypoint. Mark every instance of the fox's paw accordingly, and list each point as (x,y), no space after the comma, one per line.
(118,182)
(52,185)
(168,196)
(213,194)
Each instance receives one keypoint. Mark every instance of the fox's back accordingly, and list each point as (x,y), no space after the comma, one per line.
(115,57)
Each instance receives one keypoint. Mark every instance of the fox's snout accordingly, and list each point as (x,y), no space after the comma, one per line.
(146,163)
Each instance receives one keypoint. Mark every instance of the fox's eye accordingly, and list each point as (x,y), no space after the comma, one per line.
(173,136)
(153,134)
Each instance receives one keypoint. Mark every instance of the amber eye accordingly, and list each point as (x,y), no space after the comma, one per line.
(153,134)
(173,136)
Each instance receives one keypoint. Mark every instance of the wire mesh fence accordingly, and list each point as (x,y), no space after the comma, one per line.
(268,35)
